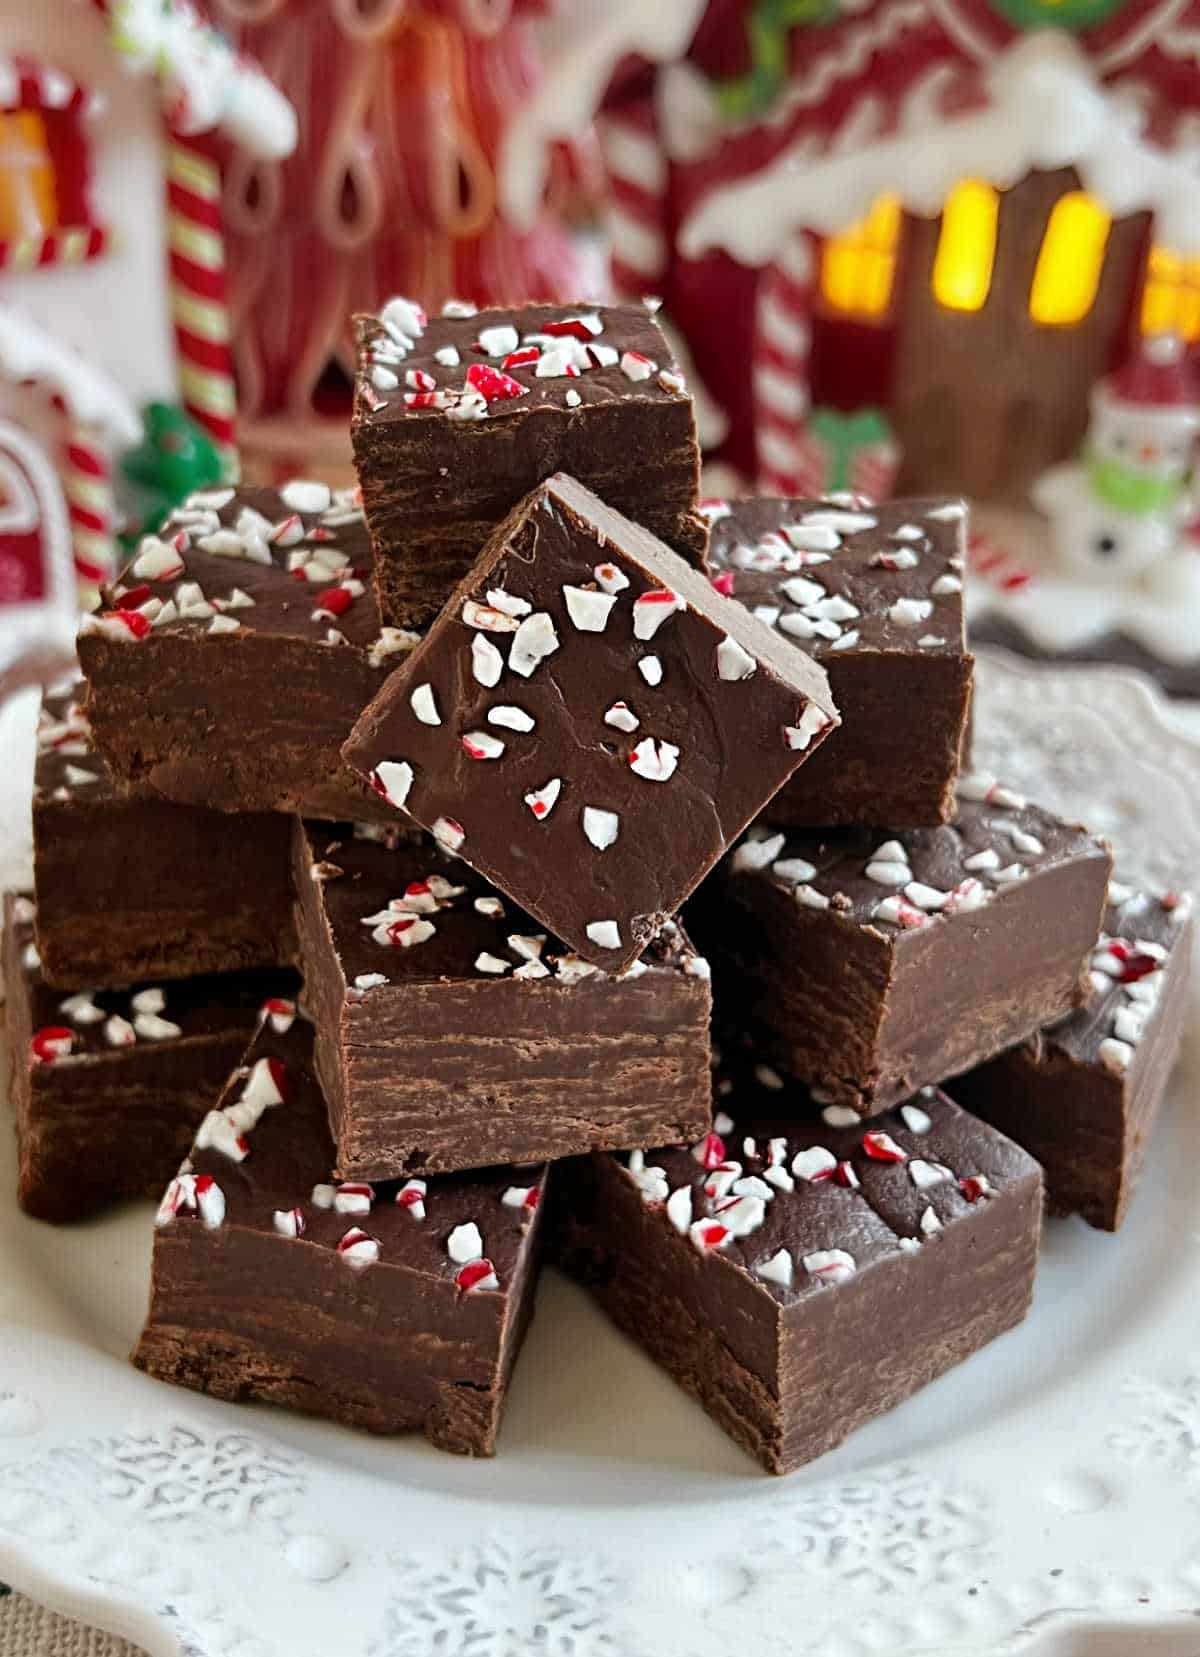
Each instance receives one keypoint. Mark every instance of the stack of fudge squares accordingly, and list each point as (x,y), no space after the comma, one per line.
(522,857)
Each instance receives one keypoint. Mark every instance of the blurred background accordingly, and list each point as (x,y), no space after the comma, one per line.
(913,245)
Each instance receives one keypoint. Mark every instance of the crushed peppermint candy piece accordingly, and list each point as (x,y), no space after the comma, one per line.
(709,1234)
(651,610)
(510,718)
(881,1147)
(924,1174)
(411,1197)
(588,610)
(622,718)
(357,1249)
(654,760)
(482,745)
(288,1222)
(778,1268)
(465,1243)
(830,1265)
(424,703)
(541,801)
(816,1163)
(651,670)
(601,827)
(476,1275)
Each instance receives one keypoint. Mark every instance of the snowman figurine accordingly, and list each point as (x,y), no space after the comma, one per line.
(1120,513)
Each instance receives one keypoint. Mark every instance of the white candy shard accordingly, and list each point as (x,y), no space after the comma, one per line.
(811,722)
(510,718)
(601,827)
(651,670)
(753,855)
(465,1243)
(393,779)
(654,760)
(779,1268)
(533,641)
(733,662)
(679,1208)
(424,704)
(830,1265)
(652,609)
(589,611)
(301,495)
(604,934)
(621,717)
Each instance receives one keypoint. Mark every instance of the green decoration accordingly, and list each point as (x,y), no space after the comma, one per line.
(1057,14)
(768,24)
(175,457)
(846,435)
(1130,491)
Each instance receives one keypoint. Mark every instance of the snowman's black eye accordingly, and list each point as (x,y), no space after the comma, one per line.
(1105,545)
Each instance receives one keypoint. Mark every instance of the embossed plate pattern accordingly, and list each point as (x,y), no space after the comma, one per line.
(1049,1487)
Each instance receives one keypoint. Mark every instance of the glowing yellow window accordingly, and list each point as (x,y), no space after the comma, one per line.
(28,203)
(1171,295)
(1070,261)
(966,250)
(858,268)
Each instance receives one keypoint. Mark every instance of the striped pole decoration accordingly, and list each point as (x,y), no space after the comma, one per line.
(199,306)
(637,175)
(87,484)
(789,463)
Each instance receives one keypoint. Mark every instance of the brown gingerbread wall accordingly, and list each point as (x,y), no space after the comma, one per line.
(983,401)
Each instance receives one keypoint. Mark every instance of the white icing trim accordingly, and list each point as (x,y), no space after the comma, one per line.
(1046,111)
(27,352)
(574,84)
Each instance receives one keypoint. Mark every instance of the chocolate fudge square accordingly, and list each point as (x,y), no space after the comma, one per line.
(457,417)
(237,650)
(452,1033)
(869,963)
(799,1275)
(1083,1094)
(589,724)
(132,887)
(875,594)
(393,1308)
(108,1085)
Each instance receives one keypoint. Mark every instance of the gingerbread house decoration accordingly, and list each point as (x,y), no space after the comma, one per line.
(114,121)
(959,213)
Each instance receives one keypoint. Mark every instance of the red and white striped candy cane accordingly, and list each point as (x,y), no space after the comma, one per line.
(638,177)
(87,483)
(199,303)
(787,465)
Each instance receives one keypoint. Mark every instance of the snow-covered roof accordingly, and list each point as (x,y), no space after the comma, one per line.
(1037,106)
(28,352)
(206,85)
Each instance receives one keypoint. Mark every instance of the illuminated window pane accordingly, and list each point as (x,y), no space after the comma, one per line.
(858,268)
(1070,261)
(1171,295)
(28,205)
(966,250)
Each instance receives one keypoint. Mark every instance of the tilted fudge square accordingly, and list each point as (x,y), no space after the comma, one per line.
(875,595)
(1082,1095)
(870,963)
(132,887)
(238,649)
(108,1085)
(800,1275)
(451,1033)
(458,416)
(393,1308)
(589,724)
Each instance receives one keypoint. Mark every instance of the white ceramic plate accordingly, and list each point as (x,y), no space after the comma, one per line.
(1042,1498)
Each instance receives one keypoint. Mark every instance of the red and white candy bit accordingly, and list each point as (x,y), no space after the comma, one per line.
(289,1222)
(157,561)
(968,895)
(482,745)
(404,933)
(541,801)
(577,327)
(267,1084)
(740,1215)
(899,912)
(521,1196)
(622,718)
(52,1042)
(844,1174)
(652,609)
(710,1151)
(654,759)
(193,1192)
(610,578)
(974,1187)
(428,399)
(815,1163)
(489,618)
(357,1249)
(709,1234)
(118,624)
(353,1199)
(881,1147)
(976,786)
(723,583)
(334,601)
(476,1274)
(522,357)
(493,384)
(1126,962)
(449,833)
(416,379)
(830,1265)
(392,779)
(411,1197)
(279,1013)
(635,366)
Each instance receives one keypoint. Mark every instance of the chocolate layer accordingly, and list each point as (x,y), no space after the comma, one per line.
(1083,1095)
(237,650)
(107,1090)
(869,963)
(131,887)
(395,1308)
(453,1034)
(442,463)
(589,724)
(800,1276)
(875,595)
